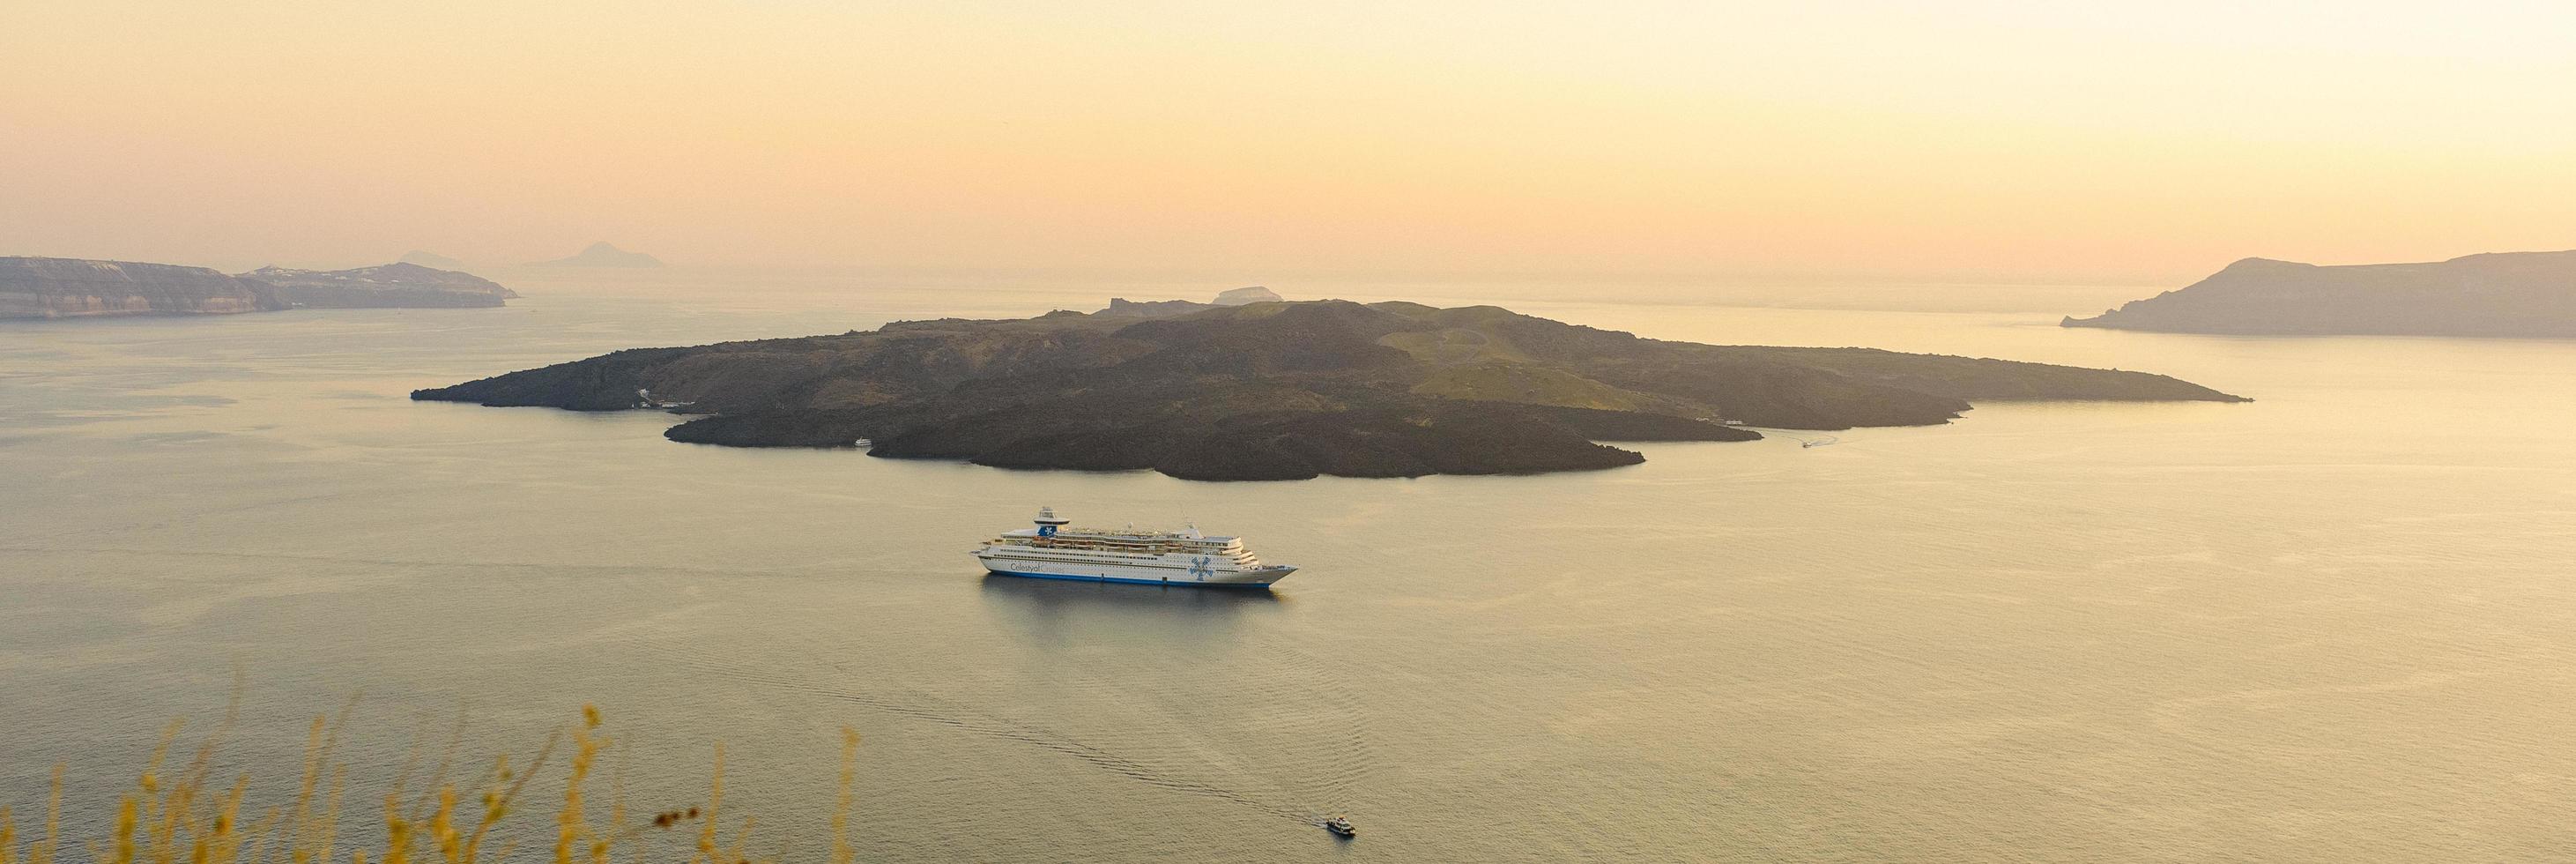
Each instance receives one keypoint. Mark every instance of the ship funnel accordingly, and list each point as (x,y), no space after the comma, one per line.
(1047,522)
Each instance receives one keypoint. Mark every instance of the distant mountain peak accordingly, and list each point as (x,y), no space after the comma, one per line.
(1248,295)
(431,260)
(602,254)
(2263,265)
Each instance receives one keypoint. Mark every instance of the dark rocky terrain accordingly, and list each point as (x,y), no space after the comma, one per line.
(2518,294)
(603,255)
(82,288)
(387,286)
(1282,390)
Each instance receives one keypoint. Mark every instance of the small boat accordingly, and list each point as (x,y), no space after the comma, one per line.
(1340,827)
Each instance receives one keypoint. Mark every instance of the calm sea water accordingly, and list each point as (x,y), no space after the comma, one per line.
(2333,624)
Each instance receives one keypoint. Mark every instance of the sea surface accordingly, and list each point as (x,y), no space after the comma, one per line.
(2334,624)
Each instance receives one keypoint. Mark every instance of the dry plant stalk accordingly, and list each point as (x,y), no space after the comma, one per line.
(183,818)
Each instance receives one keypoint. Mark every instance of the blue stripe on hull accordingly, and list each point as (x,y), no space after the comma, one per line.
(1072,578)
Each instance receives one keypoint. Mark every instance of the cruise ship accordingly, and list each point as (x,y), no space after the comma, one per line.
(1186,557)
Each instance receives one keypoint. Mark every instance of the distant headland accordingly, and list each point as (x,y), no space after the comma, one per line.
(2513,294)
(83,288)
(1281,390)
(603,255)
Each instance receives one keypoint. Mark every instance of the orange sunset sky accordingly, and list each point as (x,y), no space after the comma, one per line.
(2033,140)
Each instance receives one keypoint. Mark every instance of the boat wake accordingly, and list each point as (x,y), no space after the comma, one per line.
(1326,789)
(1805,439)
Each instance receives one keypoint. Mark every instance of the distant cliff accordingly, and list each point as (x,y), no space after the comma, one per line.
(2514,294)
(80,288)
(1121,307)
(1274,391)
(387,286)
(603,255)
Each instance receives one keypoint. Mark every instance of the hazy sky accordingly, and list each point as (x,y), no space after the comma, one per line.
(2011,139)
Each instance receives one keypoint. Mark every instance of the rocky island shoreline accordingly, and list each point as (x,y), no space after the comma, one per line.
(1282,390)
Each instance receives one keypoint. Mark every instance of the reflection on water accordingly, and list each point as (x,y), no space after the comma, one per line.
(2286,630)
(1052,596)
(1059,611)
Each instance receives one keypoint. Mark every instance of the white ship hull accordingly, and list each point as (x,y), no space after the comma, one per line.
(1186,558)
(1158,570)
